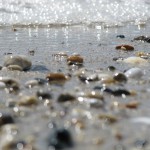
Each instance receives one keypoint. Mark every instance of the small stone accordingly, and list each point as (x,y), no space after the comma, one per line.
(56,77)
(135,73)
(75,60)
(6,119)
(66,97)
(120,36)
(60,139)
(31,83)
(28,101)
(19,60)
(11,84)
(120,77)
(135,60)
(140,38)
(2,85)
(132,105)
(111,68)
(90,78)
(43,94)
(125,47)
(108,117)
(120,92)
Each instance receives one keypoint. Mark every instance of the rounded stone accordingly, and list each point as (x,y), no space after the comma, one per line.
(19,60)
(120,77)
(135,73)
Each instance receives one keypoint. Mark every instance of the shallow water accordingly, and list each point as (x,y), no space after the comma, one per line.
(64,12)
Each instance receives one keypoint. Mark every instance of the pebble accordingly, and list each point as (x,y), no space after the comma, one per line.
(111,68)
(120,77)
(11,84)
(19,60)
(60,139)
(56,77)
(6,118)
(135,60)
(140,143)
(108,117)
(125,47)
(142,38)
(43,94)
(75,60)
(2,85)
(31,83)
(135,73)
(66,97)
(89,78)
(28,101)
(143,120)
(120,36)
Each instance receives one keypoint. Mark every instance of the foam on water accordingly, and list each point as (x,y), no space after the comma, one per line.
(110,12)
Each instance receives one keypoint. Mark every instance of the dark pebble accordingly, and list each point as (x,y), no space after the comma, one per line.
(85,79)
(120,36)
(60,139)
(140,143)
(120,77)
(118,92)
(117,58)
(43,94)
(6,119)
(65,97)
(142,38)
(111,68)
(40,68)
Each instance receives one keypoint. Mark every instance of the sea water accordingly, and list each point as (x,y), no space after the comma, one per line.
(73,12)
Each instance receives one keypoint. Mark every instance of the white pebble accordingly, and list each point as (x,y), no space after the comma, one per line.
(135,73)
(135,60)
(144,120)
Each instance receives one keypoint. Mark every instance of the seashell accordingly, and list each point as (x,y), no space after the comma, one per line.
(135,73)
(19,60)
(125,47)
(66,97)
(28,101)
(135,60)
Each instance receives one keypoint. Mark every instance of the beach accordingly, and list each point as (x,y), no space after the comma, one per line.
(102,121)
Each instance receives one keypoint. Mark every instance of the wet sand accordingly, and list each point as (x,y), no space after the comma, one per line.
(97,47)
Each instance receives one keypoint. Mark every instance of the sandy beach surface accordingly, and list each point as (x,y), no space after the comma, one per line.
(116,124)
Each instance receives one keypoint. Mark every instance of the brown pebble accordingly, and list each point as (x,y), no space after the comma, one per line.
(56,77)
(125,47)
(132,105)
(28,101)
(108,117)
(118,136)
(75,59)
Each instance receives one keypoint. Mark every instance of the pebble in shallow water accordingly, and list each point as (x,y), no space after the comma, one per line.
(19,60)
(120,77)
(135,60)
(135,73)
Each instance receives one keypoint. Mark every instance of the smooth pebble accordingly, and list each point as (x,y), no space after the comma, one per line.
(134,73)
